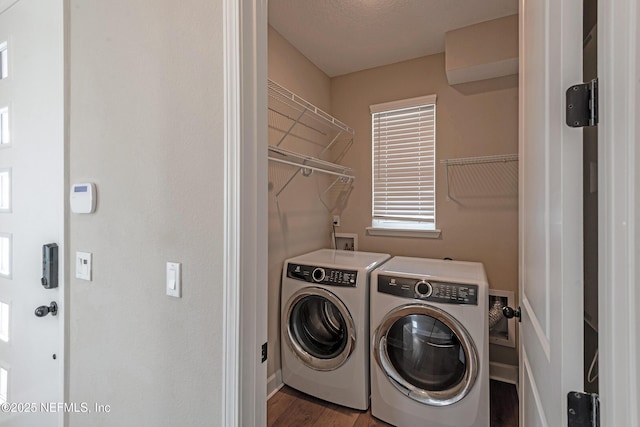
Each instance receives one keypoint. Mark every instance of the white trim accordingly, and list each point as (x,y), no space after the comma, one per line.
(274,383)
(63,249)
(401,232)
(618,57)
(231,279)
(504,373)
(245,317)
(541,335)
(403,103)
(526,370)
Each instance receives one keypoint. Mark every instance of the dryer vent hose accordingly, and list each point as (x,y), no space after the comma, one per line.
(495,313)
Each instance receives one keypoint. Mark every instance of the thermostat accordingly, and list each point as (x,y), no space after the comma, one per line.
(83,198)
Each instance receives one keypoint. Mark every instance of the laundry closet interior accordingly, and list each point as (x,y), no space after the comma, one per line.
(320,140)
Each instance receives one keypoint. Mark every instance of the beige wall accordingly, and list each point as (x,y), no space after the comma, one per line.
(291,69)
(474,119)
(482,51)
(146,125)
(298,222)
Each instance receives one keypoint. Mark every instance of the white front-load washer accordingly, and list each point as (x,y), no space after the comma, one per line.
(325,324)
(430,343)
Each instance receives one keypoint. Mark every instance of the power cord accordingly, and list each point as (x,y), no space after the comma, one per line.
(335,241)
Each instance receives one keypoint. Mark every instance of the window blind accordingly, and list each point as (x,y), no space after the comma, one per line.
(404,164)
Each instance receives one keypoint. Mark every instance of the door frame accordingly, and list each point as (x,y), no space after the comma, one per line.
(618,210)
(619,241)
(245,204)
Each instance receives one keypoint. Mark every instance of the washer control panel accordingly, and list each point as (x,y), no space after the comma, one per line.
(429,290)
(322,275)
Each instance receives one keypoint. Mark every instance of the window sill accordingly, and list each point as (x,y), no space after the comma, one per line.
(403,232)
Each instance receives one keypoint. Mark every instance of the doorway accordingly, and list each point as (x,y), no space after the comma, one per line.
(619,252)
(305,224)
(590,207)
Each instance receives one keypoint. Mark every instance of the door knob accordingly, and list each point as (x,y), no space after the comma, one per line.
(509,313)
(43,310)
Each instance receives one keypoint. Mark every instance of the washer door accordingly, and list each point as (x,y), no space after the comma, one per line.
(319,329)
(427,354)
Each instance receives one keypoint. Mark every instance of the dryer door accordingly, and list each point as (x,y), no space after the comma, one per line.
(319,329)
(427,354)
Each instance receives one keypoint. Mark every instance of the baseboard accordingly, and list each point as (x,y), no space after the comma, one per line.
(274,383)
(503,372)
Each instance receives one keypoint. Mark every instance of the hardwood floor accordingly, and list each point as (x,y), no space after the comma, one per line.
(289,407)
(504,404)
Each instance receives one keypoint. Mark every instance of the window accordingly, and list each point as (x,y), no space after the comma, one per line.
(5,255)
(5,190)
(404,143)
(4,322)
(4,65)
(4,385)
(4,126)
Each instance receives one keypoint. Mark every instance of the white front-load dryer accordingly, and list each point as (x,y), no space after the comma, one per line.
(430,343)
(325,324)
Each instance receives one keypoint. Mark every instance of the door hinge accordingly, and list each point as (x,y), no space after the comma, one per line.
(582,104)
(264,352)
(583,409)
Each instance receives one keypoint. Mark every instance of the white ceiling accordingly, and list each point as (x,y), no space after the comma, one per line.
(343,36)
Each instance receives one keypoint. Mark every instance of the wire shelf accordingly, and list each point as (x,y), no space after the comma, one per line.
(480,160)
(485,177)
(319,120)
(311,130)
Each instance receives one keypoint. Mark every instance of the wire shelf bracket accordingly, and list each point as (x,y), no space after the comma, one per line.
(307,165)
(301,122)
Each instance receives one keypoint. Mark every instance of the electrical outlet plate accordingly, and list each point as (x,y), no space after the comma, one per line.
(336,220)
(83,265)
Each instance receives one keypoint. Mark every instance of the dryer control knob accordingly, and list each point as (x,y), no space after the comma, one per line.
(318,274)
(423,289)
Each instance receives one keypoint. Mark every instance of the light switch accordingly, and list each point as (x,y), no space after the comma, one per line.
(174,280)
(83,265)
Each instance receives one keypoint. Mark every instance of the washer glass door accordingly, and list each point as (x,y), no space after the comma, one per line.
(319,329)
(427,354)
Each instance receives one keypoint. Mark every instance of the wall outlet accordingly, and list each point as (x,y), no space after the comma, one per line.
(336,220)
(83,265)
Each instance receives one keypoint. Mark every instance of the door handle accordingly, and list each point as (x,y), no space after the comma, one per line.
(43,310)
(510,313)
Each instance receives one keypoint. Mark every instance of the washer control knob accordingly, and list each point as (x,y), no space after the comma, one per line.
(423,289)
(318,274)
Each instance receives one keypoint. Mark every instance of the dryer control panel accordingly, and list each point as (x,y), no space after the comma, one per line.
(322,275)
(429,290)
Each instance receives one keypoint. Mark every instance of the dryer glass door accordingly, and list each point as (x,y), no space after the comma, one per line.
(320,329)
(427,354)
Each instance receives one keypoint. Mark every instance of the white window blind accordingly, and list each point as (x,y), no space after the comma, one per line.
(404,139)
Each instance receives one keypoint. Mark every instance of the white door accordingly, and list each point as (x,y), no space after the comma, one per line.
(32,159)
(551,289)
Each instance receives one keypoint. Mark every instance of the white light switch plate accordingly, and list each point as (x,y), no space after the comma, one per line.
(83,265)
(174,279)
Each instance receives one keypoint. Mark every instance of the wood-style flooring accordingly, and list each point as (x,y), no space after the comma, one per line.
(289,407)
